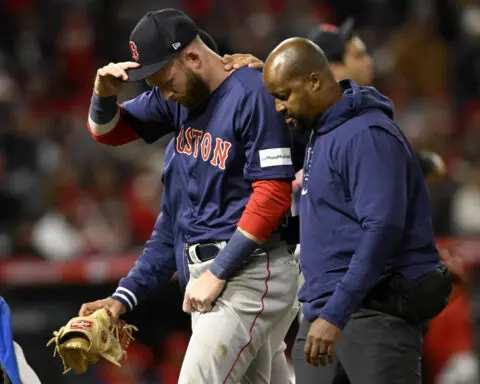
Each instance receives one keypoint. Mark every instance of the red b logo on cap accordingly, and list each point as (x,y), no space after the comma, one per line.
(133,49)
(329,28)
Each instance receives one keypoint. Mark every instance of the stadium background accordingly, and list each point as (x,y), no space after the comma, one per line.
(74,214)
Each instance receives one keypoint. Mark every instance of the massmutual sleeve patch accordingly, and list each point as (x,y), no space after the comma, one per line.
(274,157)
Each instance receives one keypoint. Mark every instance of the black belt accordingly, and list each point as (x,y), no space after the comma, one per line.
(201,252)
(289,230)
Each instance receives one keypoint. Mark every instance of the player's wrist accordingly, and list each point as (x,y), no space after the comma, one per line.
(125,305)
(218,272)
(126,297)
(229,259)
(118,307)
(102,93)
(102,97)
(102,109)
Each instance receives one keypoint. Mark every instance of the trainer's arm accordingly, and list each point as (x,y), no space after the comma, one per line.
(153,269)
(148,116)
(374,164)
(269,167)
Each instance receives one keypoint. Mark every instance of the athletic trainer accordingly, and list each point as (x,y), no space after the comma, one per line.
(372,271)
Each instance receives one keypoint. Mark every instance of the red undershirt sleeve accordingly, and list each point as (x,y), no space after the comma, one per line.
(266,208)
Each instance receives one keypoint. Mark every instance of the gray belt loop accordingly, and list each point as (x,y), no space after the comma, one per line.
(192,252)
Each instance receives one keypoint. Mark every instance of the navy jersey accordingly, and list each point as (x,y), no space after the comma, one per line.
(173,198)
(236,139)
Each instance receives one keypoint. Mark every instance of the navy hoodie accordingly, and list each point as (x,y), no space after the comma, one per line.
(365,210)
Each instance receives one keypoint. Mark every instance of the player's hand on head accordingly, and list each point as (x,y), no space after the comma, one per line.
(113,307)
(239,60)
(110,78)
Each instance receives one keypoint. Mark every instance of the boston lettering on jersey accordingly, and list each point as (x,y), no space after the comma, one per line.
(194,142)
(237,139)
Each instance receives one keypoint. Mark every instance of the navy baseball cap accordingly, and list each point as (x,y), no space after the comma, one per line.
(208,40)
(332,39)
(157,38)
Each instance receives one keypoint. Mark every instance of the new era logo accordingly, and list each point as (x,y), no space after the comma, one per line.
(176,45)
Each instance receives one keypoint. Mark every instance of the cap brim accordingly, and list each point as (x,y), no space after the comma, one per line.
(346,30)
(142,72)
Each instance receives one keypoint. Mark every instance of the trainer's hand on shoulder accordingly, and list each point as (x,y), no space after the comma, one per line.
(110,78)
(113,307)
(239,60)
(201,294)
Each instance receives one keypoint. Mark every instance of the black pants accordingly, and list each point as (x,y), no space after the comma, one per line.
(374,348)
(382,341)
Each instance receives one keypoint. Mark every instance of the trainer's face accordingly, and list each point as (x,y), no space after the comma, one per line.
(357,63)
(293,99)
(181,84)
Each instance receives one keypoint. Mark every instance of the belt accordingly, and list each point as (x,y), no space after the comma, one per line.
(201,252)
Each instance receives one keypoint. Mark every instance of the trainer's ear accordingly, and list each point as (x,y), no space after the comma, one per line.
(315,81)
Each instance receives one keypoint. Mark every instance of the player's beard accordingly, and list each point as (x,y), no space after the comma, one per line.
(197,92)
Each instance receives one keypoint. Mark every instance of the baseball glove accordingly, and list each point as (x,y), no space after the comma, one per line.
(84,340)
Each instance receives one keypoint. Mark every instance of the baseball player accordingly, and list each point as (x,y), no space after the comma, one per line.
(234,158)
(171,262)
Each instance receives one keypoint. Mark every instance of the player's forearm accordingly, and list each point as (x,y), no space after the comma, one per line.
(107,122)
(140,284)
(153,269)
(367,265)
(267,206)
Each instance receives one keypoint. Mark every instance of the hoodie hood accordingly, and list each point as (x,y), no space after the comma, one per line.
(355,99)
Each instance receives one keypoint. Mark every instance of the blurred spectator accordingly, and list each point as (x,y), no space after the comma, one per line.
(142,198)
(448,344)
(76,48)
(466,203)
